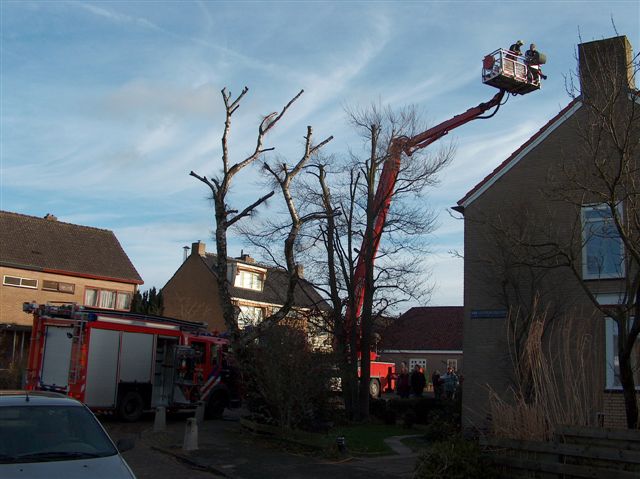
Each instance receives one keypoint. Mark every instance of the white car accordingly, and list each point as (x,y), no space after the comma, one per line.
(49,435)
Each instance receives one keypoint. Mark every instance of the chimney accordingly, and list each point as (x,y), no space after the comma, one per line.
(186,253)
(603,65)
(50,217)
(300,270)
(246,258)
(198,248)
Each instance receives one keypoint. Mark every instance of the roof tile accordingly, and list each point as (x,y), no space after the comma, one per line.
(275,288)
(426,328)
(49,245)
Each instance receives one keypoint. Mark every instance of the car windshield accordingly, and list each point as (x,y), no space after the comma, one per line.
(51,433)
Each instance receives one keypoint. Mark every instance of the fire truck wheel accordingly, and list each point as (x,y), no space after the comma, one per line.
(374,388)
(131,406)
(215,406)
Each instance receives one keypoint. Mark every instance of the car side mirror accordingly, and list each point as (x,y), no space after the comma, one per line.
(125,444)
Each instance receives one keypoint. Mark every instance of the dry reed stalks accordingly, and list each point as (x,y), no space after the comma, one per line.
(555,382)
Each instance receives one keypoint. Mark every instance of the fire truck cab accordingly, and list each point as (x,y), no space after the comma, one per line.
(127,363)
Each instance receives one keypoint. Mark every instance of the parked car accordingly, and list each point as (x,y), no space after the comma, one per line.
(46,435)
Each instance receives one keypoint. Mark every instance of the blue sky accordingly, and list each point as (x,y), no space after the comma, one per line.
(107,106)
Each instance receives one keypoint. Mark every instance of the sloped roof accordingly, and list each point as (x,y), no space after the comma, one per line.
(40,244)
(436,328)
(275,288)
(517,155)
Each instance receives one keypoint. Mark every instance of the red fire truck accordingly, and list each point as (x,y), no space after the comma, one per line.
(127,363)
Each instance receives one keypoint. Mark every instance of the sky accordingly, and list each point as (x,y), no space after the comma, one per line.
(105,107)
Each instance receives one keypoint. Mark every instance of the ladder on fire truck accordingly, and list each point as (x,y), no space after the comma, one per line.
(501,69)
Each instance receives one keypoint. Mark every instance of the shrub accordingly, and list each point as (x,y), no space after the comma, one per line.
(409,418)
(378,408)
(12,378)
(287,383)
(455,458)
(424,409)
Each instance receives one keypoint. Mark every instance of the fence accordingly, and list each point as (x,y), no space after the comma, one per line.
(573,452)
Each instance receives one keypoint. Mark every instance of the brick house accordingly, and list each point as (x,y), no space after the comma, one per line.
(256,289)
(46,260)
(525,202)
(429,336)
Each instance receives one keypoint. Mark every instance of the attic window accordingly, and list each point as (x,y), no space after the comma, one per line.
(249,280)
(20,282)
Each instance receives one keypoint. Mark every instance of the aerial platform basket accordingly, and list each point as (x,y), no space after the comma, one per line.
(505,70)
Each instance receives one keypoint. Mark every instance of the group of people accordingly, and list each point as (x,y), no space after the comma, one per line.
(414,383)
(532,59)
(446,385)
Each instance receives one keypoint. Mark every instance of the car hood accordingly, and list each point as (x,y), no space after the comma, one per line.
(112,467)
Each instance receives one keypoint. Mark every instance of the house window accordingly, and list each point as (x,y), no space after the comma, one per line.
(249,315)
(452,363)
(123,300)
(613,363)
(20,282)
(91,297)
(603,250)
(249,280)
(107,299)
(417,361)
(58,286)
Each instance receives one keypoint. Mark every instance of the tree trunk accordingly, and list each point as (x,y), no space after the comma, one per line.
(228,309)
(628,384)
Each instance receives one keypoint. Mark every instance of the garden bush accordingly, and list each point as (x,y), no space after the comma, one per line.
(454,458)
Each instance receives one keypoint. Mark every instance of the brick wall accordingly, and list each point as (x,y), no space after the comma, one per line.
(614,413)
(12,297)
(192,294)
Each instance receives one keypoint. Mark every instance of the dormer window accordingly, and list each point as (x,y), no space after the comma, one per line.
(249,280)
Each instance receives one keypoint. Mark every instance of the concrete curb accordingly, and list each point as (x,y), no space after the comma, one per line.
(191,461)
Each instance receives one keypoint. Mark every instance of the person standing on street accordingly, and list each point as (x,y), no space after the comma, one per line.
(418,381)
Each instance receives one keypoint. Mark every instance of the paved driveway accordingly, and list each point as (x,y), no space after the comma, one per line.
(226,449)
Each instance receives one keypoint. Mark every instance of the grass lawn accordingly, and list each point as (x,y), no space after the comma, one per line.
(369,438)
(361,439)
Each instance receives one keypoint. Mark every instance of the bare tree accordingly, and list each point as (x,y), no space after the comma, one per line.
(226,217)
(392,274)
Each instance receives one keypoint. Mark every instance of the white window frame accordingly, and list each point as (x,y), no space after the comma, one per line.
(452,363)
(246,279)
(420,362)
(585,265)
(249,319)
(21,280)
(611,352)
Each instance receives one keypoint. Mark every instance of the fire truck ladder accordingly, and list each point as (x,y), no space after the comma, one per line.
(501,71)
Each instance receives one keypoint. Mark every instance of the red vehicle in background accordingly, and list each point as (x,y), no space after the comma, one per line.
(127,363)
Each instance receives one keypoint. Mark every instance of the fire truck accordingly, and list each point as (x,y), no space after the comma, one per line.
(501,69)
(128,363)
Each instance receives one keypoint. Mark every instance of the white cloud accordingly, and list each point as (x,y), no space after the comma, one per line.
(115,16)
